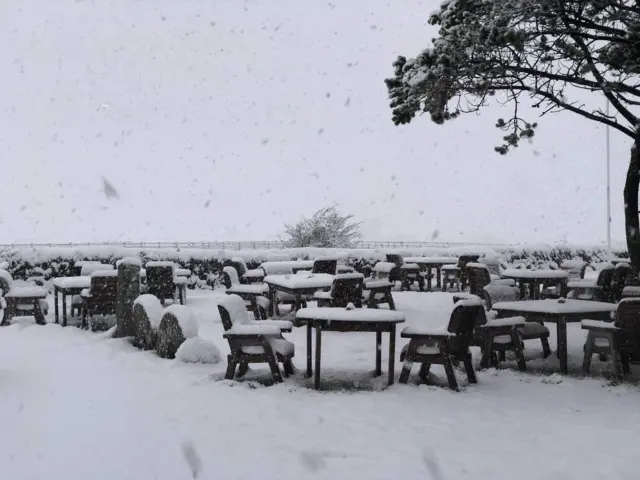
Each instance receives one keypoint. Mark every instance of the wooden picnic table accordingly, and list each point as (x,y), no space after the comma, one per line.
(558,312)
(64,286)
(535,279)
(332,319)
(427,264)
(299,285)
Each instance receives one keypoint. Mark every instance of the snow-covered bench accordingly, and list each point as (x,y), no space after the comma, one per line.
(254,341)
(443,346)
(346,289)
(21,300)
(254,295)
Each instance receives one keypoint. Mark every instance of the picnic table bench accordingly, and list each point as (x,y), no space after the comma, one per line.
(334,319)
(558,312)
(535,279)
(427,264)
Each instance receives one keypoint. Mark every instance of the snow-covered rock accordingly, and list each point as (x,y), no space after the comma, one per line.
(198,350)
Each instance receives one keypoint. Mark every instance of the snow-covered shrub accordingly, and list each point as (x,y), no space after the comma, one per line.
(178,324)
(198,350)
(147,314)
(327,228)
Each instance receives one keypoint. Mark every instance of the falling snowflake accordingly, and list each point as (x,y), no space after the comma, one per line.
(109,190)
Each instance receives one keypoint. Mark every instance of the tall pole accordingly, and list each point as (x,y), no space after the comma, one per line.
(608,184)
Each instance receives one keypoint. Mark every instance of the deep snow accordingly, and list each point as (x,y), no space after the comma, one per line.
(165,120)
(77,405)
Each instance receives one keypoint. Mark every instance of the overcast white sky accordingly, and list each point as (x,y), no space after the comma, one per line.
(224,121)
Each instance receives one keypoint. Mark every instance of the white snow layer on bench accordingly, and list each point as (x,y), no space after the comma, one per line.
(556,307)
(25,292)
(348,276)
(152,307)
(89,268)
(433,331)
(186,319)
(198,350)
(129,261)
(471,301)
(156,263)
(378,283)
(104,273)
(355,315)
(232,273)
(598,324)
(236,307)
(301,280)
(526,274)
(72,282)
(477,265)
(253,329)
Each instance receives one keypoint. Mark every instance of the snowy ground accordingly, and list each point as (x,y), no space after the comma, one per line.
(76,405)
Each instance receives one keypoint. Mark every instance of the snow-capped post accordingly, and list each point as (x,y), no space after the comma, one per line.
(128,291)
(515,50)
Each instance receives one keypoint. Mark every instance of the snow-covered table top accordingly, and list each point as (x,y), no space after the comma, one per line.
(334,314)
(432,260)
(27,292)
(279,268)
(300,281)
(183,272)
(534,274)
(554,307)
(250,289)
(586,283)
(72,282)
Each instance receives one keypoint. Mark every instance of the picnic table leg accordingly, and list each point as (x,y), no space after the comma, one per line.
(64,309)
(392,353)
(309,350)
(439,278)
(428,279)
(562,344)
(55,301)
(378,353)
(316,379)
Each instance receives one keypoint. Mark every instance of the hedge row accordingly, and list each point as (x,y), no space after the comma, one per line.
(24,263)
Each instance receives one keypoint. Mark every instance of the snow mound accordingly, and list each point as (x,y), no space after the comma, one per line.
(186,319)
(152,307)
(198,350)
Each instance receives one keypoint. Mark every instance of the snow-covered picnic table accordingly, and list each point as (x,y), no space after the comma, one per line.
(427,264)
(535,279)
(64,286)
(559,312)
(332,319)
(299,285)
